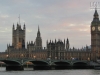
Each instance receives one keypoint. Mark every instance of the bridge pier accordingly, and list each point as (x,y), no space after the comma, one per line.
(80,67)
(14,68)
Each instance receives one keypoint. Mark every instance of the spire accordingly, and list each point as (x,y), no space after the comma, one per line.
(13,27)
(96,16)
(67,41)
(38,33)
(17,24)
(86,47)
(96,13)
(47,41)
(64,41)
(55,40)
(7,45)
(67,44)
(73,48)
(50,40)
(38,29)
(24,27)
(31,42)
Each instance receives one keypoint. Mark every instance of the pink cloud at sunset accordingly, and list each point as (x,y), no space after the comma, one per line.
(57,19)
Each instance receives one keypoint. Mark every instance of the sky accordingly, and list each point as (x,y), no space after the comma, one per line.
(57,19)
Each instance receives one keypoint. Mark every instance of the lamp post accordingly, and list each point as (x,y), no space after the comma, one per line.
(22,55)
(55,58)
(34,57)
(88,59)
(22,58)
(7,56)
(50,59)
(71,58)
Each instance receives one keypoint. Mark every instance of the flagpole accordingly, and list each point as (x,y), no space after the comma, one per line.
(19,19)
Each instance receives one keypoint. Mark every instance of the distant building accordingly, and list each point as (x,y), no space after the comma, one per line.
(57,49)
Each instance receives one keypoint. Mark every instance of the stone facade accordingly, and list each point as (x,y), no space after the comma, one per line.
(60,50)
(18,37)
(57,49)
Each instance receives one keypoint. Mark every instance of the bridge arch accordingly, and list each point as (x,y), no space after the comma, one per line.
(39,64)
(61,64)
(80,65)
(12,64)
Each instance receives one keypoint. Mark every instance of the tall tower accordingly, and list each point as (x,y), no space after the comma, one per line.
(95,36)
(18,37)
(67,44)
(38,41)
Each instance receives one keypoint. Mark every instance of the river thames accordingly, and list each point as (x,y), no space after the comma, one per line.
(50,72)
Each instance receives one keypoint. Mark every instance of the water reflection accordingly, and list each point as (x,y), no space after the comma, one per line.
(30,71)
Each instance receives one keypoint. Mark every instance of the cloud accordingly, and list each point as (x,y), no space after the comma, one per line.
(56,18)
(4,16)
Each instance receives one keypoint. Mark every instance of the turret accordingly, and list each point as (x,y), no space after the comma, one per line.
(50,41)
(13,27)
(67,44)
(24,27)
(47,41)
(18,27)
(38,33)
(47,44)
(7,45)
(96,16)
(38,41)
(31,42)
(55,40)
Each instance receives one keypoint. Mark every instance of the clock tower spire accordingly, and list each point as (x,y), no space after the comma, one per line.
(96,16)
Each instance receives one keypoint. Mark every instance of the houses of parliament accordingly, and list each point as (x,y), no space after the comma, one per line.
(57,49)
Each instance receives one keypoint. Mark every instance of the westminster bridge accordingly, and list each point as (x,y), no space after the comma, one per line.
(18,64)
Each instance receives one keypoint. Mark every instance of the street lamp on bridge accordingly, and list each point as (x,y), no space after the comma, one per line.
(34,57)
(71,58)
(55,58)
(7,56)
(50,59)
(22,58)
(22,55)
(88,59)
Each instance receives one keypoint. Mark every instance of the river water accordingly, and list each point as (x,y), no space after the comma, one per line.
(50,72)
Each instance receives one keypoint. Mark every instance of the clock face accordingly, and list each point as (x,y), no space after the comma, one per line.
(98,28)
(93,28)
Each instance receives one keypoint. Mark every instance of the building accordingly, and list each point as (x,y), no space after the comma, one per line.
(57,49)
(95,36)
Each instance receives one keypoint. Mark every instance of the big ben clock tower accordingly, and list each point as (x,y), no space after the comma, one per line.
(95,36)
